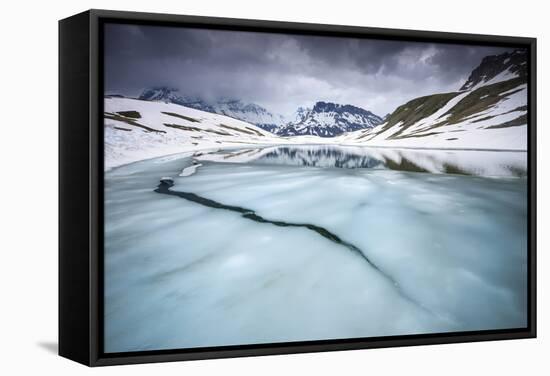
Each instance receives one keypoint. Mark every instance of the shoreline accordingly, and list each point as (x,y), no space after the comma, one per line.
(113,166)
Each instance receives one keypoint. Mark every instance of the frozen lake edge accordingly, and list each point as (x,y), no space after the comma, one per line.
(130,206)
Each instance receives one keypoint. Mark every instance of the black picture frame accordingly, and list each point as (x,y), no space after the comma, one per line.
(81,187)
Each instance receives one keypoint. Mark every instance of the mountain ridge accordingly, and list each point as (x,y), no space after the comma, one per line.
(328,119)
(307,121)
(490,108)
(235,108)
(492,98)
(507,64)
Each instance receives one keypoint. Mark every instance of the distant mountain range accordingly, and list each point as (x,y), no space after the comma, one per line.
(325,119)
(235,108)
(489,111)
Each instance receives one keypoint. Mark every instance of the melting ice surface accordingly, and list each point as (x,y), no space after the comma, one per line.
(399,242)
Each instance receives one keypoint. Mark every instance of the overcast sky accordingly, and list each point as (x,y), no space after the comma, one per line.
(282,72)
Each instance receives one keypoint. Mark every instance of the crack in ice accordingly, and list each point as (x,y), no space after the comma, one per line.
(167,183)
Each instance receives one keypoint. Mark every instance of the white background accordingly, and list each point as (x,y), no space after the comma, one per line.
(28,206)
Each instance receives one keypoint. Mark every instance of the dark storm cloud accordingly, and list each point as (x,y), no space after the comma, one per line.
(282,72)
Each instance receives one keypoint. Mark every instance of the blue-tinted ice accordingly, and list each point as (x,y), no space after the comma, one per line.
(442,238)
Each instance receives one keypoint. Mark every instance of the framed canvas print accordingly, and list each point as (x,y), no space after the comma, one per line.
(238,187)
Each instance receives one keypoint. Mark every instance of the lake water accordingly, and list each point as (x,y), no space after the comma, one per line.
(320,242)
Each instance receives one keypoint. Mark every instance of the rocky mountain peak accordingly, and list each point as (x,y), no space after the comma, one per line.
(327,119)
(504,66)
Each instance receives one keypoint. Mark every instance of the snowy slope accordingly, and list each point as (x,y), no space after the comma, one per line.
(137,129)
(324,119)
(491,115)
(235,108)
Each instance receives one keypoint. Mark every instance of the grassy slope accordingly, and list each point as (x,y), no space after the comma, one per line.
(416,110)
(478,101)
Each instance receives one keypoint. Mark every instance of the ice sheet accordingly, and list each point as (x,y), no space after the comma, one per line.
(447,253)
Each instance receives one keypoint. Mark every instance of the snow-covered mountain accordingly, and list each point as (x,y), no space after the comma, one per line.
(324,119)
(235,108)
(172,95)
(488,112)
(138,129)
(327,119)
(497,68)
(249,112)
(300,114)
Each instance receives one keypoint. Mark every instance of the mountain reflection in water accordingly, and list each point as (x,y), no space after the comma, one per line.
(463,162)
